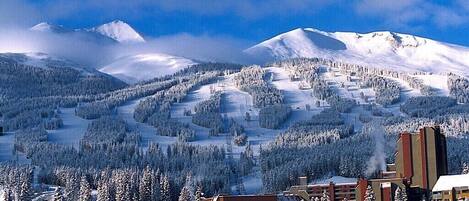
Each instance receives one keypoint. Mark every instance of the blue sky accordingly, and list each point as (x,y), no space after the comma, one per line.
(251,21)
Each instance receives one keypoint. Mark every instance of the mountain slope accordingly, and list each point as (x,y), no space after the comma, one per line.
(38,74)
(119,31)
(135,68)
(382,49)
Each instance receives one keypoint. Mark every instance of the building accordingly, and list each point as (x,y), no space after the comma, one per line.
(335,191)
(451,187)
(253,198)
(420,160)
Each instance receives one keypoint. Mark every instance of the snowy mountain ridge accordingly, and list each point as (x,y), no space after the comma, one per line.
(381,49)
(116,30)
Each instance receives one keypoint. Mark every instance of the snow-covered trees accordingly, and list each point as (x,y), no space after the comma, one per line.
(387,91)
(251,80)
(273,116)
(465,168)
(458,87)
(369,194)
(400,194)
(340,104)
(207,114)
(432,106)
(85,189)
(325,196)
(21,81)
(325,127)
(16,181)
(105,130)
(240,140)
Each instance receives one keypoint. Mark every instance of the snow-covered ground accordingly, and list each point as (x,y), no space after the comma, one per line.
(437,81)
(6,146)
(140,67)
(73,130)
(7,150)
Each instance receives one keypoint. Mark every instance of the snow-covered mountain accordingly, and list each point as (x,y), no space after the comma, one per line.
(43,60)
(135,68)
(116,31)
(46,27)
(119,31)
(381,49)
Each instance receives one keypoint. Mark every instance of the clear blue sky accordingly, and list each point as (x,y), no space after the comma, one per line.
(251,20)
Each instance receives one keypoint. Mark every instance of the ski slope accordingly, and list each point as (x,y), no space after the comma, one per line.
(141,67)
(73,130)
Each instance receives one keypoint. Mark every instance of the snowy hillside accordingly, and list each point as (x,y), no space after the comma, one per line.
(132,69)
(381,49)
(43,60)
(119,31)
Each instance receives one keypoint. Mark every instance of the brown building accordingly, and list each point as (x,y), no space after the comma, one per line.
(334,191)
(419,161)
(253,198)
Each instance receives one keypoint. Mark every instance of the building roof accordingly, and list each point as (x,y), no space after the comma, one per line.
(448,182)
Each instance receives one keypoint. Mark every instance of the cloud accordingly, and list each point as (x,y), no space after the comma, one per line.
(73,47)
(412,13)
(86,49)
(199,47)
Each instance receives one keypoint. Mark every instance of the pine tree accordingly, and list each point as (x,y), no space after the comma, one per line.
(58,195)
(103,190)
(400,194)
(369,194)
(198,193)
(165,189)
(325,196)
(6,195)
(465,168)
(25,189)
(155,185)
(145,187)
(185,194)
(85,189)
(72,187)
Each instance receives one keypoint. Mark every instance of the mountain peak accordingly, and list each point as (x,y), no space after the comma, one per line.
(119,31)
(381,48)
(46,27)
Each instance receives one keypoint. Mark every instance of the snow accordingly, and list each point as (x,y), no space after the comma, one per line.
(336,180)
(6,146)
(73,130)
(447,182)
(391,50)
(439,82)
(7,149)
(114,32)
(140,67)
(119,31)
(46,27)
